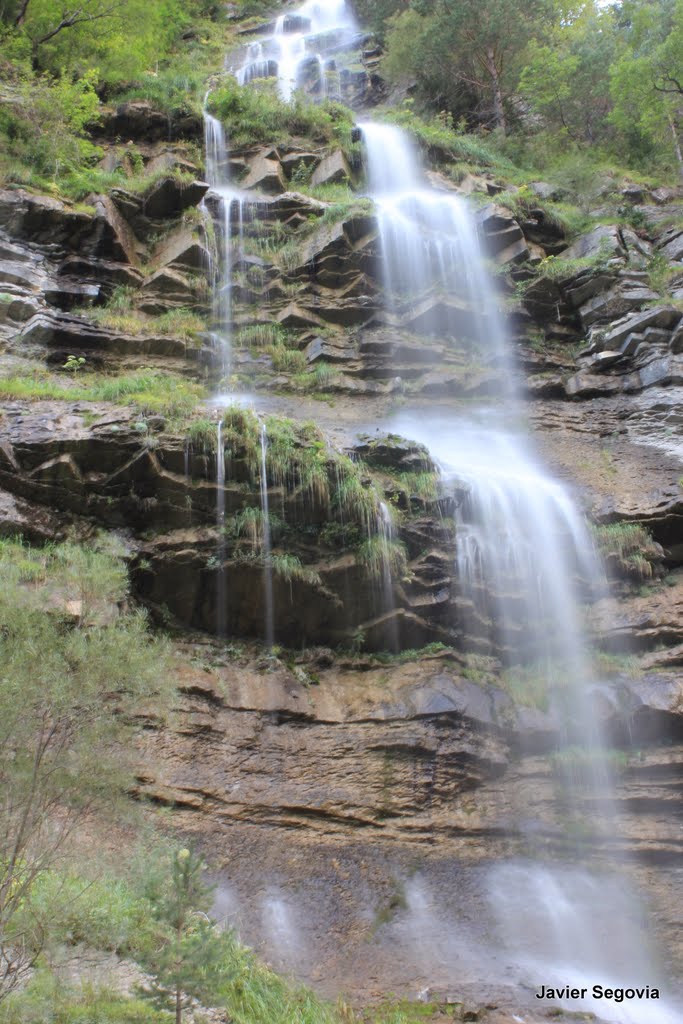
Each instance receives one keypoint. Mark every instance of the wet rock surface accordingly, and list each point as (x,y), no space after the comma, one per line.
(395,790)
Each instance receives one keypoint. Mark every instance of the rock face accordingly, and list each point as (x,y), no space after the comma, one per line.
(167,495)
(399,792)
(55,259)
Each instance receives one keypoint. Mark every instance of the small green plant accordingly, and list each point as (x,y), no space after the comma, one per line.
(378,555)
(289,568)
(73,364)
(630,546)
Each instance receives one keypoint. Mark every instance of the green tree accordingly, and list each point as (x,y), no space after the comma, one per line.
(74,670)
(467,47)
(647,79)
(566,78)
(194,963)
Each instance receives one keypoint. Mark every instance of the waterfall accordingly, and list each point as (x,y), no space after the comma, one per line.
(216,158)
(266,546)
(525,561)
(430,251)
(221,623)
(386,537)
(307,34)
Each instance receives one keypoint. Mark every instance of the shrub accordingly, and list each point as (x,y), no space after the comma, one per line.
(74,668)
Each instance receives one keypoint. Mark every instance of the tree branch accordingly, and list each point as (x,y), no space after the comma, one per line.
(21,13)
(77,17)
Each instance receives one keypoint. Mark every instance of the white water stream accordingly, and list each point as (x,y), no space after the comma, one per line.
(266,547)
(524,560)
(301,49)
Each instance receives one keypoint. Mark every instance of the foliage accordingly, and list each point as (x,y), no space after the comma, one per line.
(255,113)
(379,555)
(421,485)
(647,90)
(202,435)
(467,54)
(566,76)
(46,126)
(70,677)
(48,998)
(194,961)
(631,545)
(289,568)
(261,335)
(59,59)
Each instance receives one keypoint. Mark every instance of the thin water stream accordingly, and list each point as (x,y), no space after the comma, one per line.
(266,546)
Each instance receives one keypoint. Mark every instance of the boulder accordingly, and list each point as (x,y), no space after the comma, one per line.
(544,190)
(139,121)
(182,248)
(663,195)
(614,303)
(170,197)
(265,175)
(331,169)
(286,204)
(635,194)
(391,451)
(604,240)
(292,161)
(117,241)
(672,246)
(658,316)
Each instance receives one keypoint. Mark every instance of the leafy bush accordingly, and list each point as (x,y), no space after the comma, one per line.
(75,668)
(46,127)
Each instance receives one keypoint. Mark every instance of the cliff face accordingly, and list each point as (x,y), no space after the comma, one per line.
(332,771)
(374,805)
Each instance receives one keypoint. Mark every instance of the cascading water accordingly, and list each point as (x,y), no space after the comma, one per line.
(301,48)
(431,251)
(524,562)
(217,175)
(220,527)
(266,546)
(385,536)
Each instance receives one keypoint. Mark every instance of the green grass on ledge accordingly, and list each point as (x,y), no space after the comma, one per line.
(150,392)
